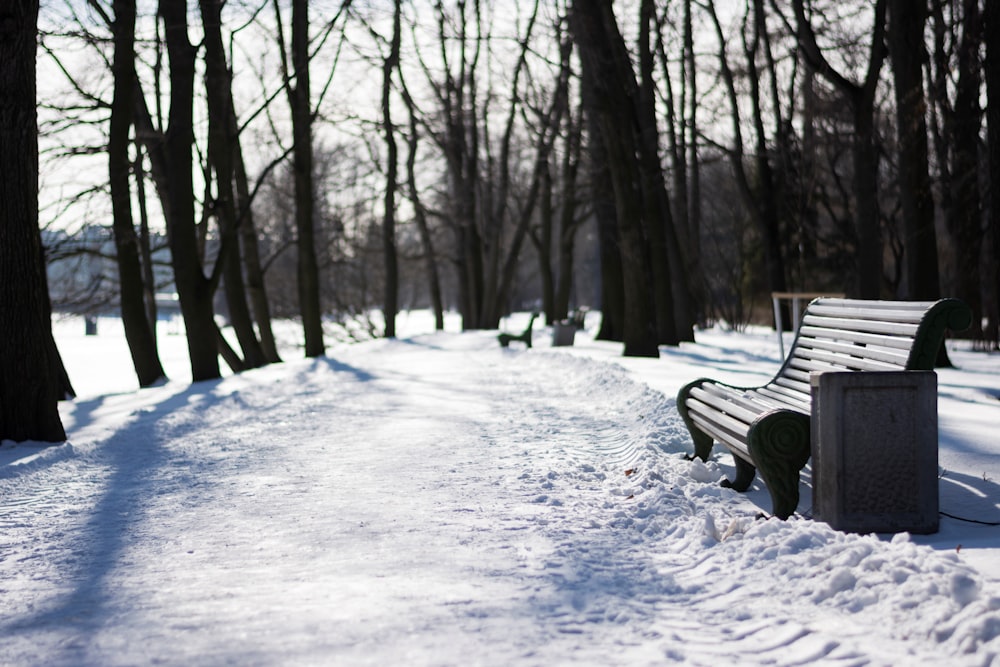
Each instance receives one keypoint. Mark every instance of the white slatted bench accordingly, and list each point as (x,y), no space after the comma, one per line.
(767,428)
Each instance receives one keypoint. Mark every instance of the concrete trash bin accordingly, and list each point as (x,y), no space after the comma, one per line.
(875,451)
(563,334)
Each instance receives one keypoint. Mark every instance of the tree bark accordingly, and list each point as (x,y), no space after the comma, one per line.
(139,331)
(601,47)
(602,199)
(963,216)
(420,214)
(906,51)
(542,239)
(194,289)
(223,145)
(991,35)
(300,102)
(29,368)
(865,153)
(569,222)
(390,305)
(757,189)
(251,256)
(675,321)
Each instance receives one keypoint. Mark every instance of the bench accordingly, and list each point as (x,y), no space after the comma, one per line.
(525,336)
(767,428)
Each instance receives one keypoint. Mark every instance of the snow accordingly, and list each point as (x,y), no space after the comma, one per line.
(438,500)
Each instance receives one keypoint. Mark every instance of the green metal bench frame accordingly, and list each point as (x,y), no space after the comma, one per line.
(767,428)
(525,336)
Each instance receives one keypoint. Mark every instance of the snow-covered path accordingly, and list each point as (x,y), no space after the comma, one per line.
(420,503)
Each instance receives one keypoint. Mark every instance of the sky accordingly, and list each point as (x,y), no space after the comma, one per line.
(438,500)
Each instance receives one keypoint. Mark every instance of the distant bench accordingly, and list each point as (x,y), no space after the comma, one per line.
(525,336)
(767,428)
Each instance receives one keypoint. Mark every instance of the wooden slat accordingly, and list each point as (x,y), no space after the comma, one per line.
(919,306)
(847,350)
(719,435)
(743,397)
(736,396)
(868,313)
(899,342)
(728,405)
(855,363)
(696,407)
(758,401)
(807,366)
(865,326)
(793,387)
(786,398)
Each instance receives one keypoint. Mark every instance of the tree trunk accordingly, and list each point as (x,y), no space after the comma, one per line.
(543,244)
(602,198)
(675,321)
(391,303)
(991,34)
(29,371)
(569,223)
(964,218)
(300,100)
(684,210)
(693,167)
(139,330)
(223,145)
(601,46)
(906,51)
(426,242)
(459,142)
(251,257)
(865,153)
(145,249)
(194,289)
(757,190)
(649,172)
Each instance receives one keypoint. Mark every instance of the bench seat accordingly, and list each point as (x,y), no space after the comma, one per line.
(766,428)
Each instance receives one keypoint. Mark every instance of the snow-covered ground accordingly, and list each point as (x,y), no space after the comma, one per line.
(438,500)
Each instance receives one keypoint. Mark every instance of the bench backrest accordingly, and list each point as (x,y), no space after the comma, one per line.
(862,335)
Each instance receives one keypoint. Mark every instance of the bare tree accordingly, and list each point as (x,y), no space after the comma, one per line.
(606,71)
(675,318)
(680,116)
(390,305)
(223,147)
(570,215)
(907,52)
(861,98)
(29,367)
(139,327)
(603,203)
(194,288)
(956,127)
(991,35)
(296,80)
(757,184)
(430,255)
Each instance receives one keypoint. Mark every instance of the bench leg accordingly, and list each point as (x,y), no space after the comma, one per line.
(745,472)
(702,441)
(702,445)
(779,444)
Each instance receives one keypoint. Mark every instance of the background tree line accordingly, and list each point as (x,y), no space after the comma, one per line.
(669,162)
